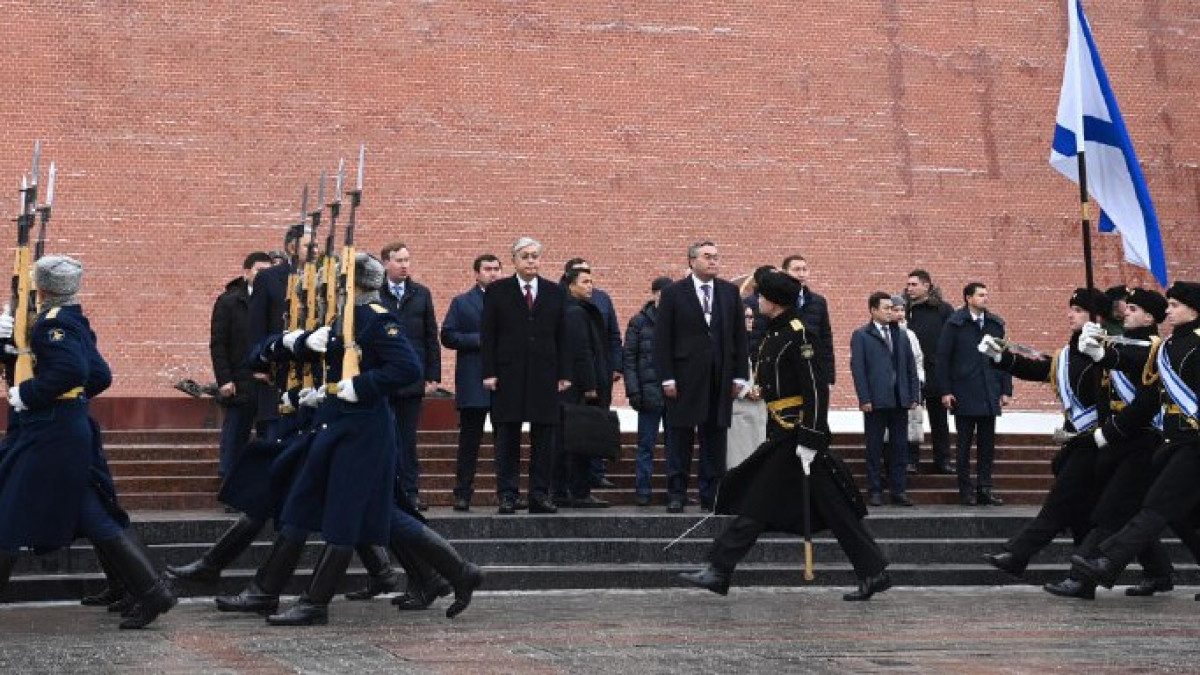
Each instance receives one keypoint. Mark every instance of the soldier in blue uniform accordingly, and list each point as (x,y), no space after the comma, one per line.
(1172,380)
(767,491)
(54,484)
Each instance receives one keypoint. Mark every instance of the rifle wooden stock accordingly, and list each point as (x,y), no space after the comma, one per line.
(310,313)
(22,309)
(294,311)
(350,354)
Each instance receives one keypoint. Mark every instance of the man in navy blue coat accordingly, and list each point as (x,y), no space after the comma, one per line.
(461,332)
(413,303)
(885,379)
(973,390)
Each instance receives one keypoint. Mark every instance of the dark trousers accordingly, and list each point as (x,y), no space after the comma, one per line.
(969,427)
(852,534)
(235,434)
(1068,505)
(572,473)
(1171,499)
(680,441)
(408,413)
(470,435)
(649,422)
(895,422)
(939,434)
(508,459)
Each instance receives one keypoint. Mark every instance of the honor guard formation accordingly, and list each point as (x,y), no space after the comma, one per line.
(322,355)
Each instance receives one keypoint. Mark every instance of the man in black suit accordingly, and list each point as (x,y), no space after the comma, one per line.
(814,313)
(265,317)
(523,345)
(413,303)
(701,352)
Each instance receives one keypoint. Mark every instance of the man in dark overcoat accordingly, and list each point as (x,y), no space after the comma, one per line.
(524,348)
(700,348)
(769,490)
(972,390)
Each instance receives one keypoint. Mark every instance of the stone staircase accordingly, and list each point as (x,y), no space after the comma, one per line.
(173,470)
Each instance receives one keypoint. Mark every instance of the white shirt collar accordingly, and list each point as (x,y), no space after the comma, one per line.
(533,285)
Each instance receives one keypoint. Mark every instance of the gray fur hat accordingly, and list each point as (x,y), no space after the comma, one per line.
(368,272)
(57,275)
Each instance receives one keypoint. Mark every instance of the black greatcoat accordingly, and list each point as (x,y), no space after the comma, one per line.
(684,351)
(769,485)
(525,350)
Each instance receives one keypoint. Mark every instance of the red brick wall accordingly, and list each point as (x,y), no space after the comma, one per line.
(873,137)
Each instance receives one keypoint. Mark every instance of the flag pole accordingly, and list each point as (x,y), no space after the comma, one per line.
(1085,213)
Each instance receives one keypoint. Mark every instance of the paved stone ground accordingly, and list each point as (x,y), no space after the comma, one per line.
(810,630)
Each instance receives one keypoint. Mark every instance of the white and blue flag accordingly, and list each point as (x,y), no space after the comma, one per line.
(1087,111)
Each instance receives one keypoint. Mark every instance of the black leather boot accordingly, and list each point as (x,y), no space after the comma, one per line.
(114,590)
(381,578)
(464,576)
(1008,562)
(1072,588)
(1149,586)
(228,547)
(869,587)
(710,578)
(8,560)
(312,609)
(131,561)
(1100,570)
(984,497)
(424,584)
(262,595)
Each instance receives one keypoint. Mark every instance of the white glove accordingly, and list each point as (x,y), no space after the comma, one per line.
(1101,441)
(311,398)
(14,399)
(6,322)
(346,391)
(289,339)
(318,339)
(1092,348)
(1091,330)
(806,455)
(989,347)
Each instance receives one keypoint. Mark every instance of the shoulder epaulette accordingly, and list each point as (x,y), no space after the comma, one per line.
(53,313)
(797,325)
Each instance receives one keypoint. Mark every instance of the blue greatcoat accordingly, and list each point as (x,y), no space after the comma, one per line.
(344,489)
(54,453)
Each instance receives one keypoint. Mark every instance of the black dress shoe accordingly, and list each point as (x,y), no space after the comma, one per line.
(304,613)
(1072,588)
(709,578)
(1006,562)
(902,500)
(966,499)
(462,504)
(589,502)
(675,506)
(1100,570)
(198,571)
(869,586)
(944,468)
(521,504)
(642,500)
(875,499)
(986,498)
(604,483)
(507,507)
(1149,586)
(561,501)
(104,598)
(542,506)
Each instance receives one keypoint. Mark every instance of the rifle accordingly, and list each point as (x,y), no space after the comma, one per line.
(23,302)
(309,321)
(293,310)
(329,265)
(350,354)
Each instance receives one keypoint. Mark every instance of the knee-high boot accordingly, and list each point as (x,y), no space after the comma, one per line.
(424,585)
(8,560)
(313,606)
(464,576)
(131,561)
(381,577)
(227,548)
(262,595)
(114,590)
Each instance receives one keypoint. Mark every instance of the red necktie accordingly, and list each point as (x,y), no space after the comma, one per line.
(529,296)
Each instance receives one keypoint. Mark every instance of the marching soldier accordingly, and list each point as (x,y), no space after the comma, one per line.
(770,490)
(1172,379)
(54,484)
(1076,382)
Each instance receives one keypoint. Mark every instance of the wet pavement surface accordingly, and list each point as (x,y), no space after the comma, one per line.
(809,630)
